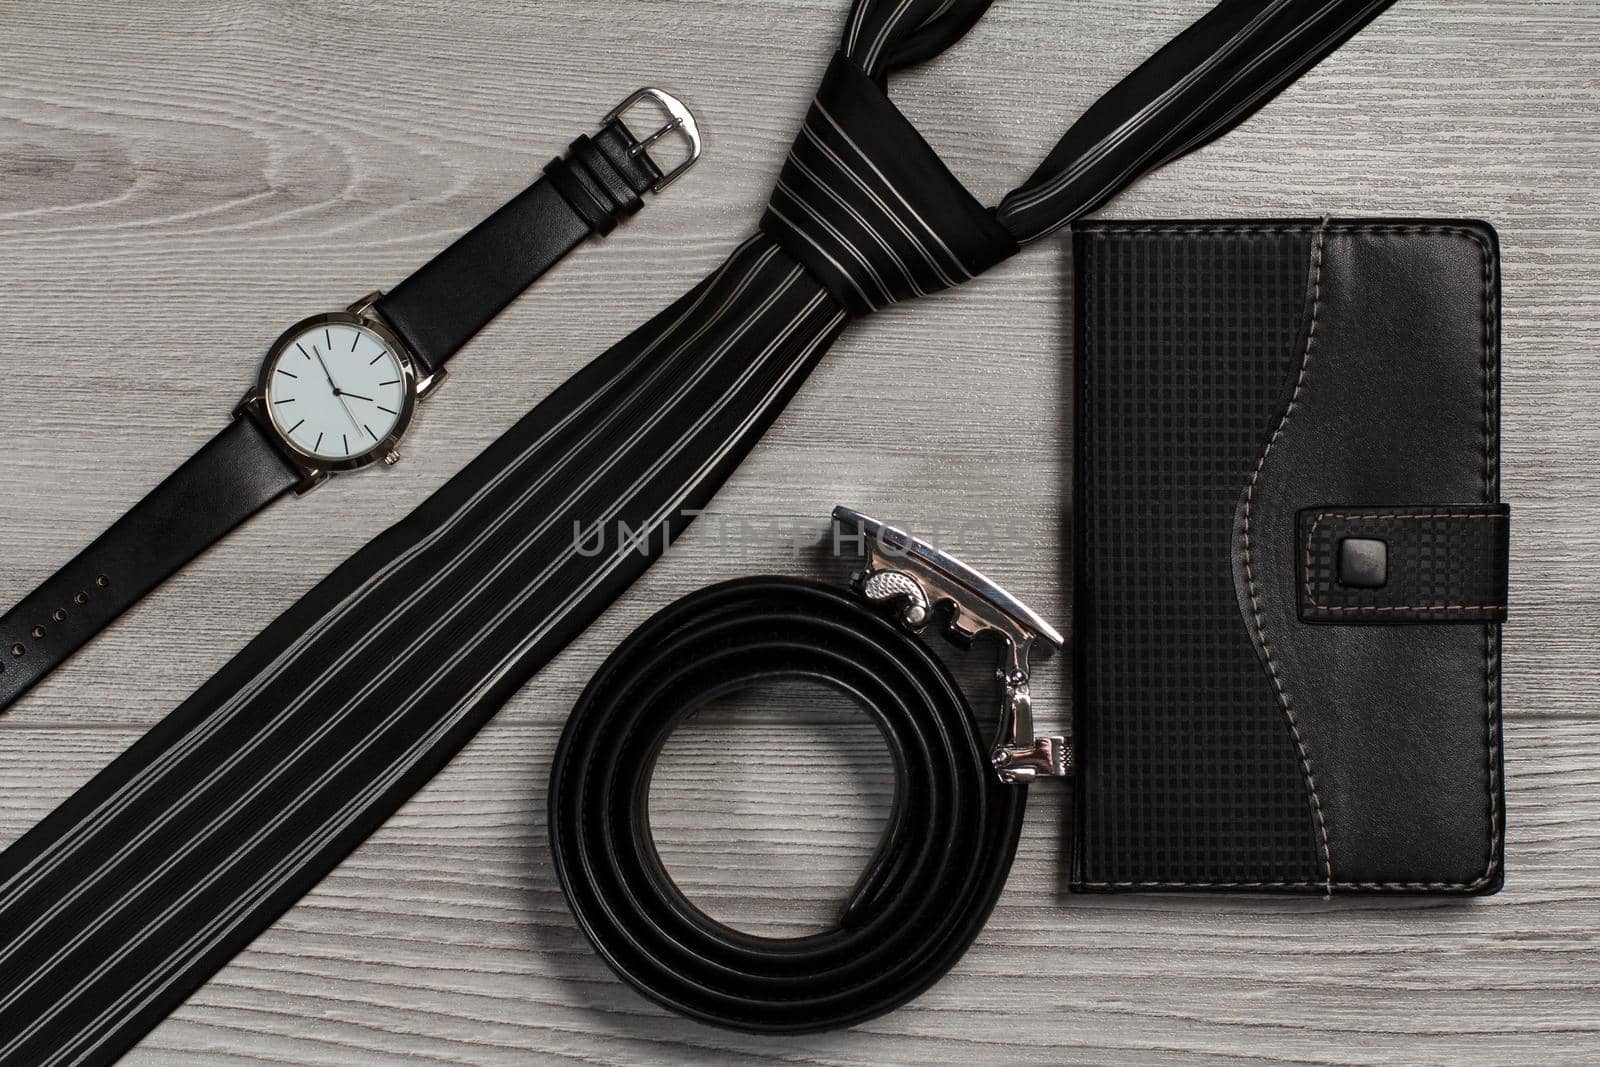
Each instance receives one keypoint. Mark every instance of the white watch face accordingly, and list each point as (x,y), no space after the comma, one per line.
(336,391)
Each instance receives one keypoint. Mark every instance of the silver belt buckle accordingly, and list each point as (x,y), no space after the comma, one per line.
(680,120)
(923,579)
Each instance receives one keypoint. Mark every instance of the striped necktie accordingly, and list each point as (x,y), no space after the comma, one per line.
(148,879)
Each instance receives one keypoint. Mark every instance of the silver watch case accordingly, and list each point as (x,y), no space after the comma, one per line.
(416,386)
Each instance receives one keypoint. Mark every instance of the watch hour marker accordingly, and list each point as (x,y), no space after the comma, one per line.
(339,424)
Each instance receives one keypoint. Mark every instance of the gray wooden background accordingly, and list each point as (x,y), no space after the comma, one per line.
(179,181)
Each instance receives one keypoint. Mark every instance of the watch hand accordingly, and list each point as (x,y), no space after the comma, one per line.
(356,396)
(325,371)
(338,393)
(348,413)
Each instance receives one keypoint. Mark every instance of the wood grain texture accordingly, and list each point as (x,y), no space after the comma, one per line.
(179,180)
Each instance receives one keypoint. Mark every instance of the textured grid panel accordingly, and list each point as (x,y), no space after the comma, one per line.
(1444,564)
(1188,346)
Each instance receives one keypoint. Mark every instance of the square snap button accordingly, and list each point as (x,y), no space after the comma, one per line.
(1363,562)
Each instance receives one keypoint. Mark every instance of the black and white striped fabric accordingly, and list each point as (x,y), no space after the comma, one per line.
(876,224)
(147,880)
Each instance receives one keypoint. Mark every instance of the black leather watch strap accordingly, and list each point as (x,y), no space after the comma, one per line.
(600,181)
(237,473)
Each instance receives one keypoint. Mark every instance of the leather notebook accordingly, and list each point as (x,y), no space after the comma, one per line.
(1290,557)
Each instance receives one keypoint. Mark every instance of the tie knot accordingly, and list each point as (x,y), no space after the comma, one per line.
(870,208)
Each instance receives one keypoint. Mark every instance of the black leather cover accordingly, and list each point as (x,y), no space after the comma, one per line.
(236,474)
(1290,556)
(599,182)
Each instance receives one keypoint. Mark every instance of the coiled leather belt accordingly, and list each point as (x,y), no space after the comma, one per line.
(951,836)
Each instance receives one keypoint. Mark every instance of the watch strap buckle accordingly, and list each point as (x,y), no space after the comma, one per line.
(680,121)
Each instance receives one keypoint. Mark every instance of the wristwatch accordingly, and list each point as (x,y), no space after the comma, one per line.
(337,391)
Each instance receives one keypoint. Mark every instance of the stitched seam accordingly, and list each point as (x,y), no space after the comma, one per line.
(1407,515)
(1311,540)
(1105,230)
(1491,637)
(1280,885)
(1112,228)
(1116,229)
(1249,564)
(1080,533)
(1441,608)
